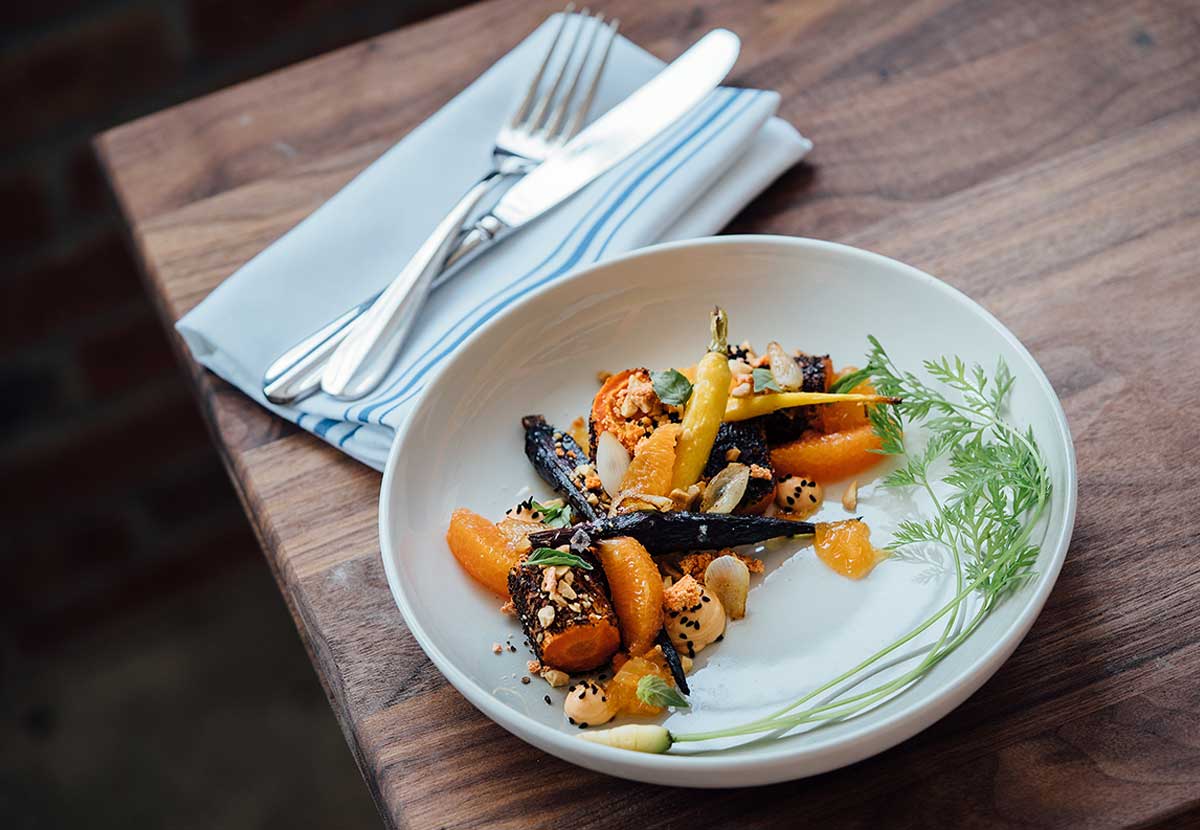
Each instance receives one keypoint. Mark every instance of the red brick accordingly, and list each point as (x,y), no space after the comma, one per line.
(84,71)
(15,16)
(64,551)
(203,490)
(25,215)
(32,390)
(180,566)
(87,188)
(106,455)
(129,356)
(95,277)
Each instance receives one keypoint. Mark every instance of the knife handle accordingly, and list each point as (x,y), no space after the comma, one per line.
(296,374)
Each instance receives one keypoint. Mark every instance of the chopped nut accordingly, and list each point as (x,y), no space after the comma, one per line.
(758,471)
(555,677)
(565,590)
(737,366)
(639,396)
(742,390)
(562,570)
(533,666)
(733,454)
(549,580)
(546,615)
(685,662)
(569,576)
(497,648)
(850,497)
(574,606)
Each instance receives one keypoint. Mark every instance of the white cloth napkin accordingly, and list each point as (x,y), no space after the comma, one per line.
(689,181)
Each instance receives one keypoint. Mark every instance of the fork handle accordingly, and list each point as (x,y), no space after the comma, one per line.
(296,374)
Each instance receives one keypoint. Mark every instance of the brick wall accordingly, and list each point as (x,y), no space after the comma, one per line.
(109,490)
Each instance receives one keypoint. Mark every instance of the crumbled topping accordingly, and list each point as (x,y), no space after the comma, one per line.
(695,564)
(497,648)
(683,594)
(742,390)
(507,608)
(758,471)
(533,666)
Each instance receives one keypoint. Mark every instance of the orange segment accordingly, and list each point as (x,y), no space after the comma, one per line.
(839,417)
(846,548)
(622,689)
(653,461)
(516,532)
(637,591)
(828,457)
(482,549)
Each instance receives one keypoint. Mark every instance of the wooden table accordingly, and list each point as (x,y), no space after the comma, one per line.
(1043,157)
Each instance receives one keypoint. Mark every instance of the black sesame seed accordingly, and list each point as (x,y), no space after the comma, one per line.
(525,679)
(603,676)
(705,598)
(682,636)
(719,639)
(791,500)
(583,725)
(684,620)
(572,720)
(812,498)
(604,698)
(581,694)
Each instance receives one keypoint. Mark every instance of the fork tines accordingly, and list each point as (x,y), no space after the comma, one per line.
(548,113)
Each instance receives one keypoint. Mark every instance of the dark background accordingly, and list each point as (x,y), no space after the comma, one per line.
(149,672)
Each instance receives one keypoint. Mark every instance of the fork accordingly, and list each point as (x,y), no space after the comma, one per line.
(545,119)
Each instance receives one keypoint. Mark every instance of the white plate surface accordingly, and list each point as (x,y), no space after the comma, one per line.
(805,624)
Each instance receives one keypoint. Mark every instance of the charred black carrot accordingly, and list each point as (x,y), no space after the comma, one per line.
(673,662)
(675,531)
(746,443)
(555,455)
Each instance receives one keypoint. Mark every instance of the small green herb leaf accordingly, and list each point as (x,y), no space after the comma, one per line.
(654,691)
(553,556)
(671,386)
(764,380)
(847,382)
(553,515)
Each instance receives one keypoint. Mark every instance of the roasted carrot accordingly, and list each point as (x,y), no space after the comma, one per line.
(705,409)
(567,617)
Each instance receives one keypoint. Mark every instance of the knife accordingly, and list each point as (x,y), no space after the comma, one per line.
(355,351)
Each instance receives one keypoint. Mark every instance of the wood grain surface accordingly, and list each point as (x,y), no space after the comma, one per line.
(1042,157)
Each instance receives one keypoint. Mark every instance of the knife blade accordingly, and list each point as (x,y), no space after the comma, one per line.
(369,345)
(621,131)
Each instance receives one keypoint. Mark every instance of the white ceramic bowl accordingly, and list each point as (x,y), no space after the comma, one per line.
(463,447)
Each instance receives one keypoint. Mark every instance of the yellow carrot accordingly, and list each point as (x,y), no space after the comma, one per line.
(705,408)
(751,406)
